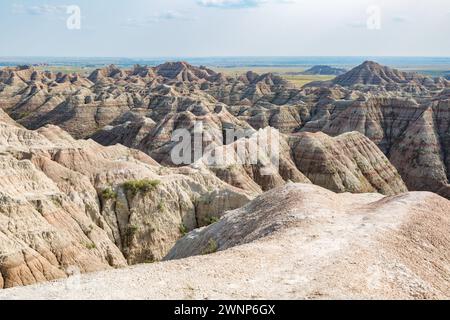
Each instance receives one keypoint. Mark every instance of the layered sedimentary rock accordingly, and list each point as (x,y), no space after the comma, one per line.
(69,205)
(347,163)
(142,108)
(294,242)
(75,205)
(259,162)
(414,137)
(372,73)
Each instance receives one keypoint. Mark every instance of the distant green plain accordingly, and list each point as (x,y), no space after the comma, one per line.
(292,74)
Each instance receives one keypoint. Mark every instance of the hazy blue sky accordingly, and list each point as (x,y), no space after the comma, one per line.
(156,28)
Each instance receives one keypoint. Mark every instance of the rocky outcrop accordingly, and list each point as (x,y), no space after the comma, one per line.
(260,162)
(347,163)
(372,73)
(346,245)
(413,136)
(142,107)
(68,204)
(294,242)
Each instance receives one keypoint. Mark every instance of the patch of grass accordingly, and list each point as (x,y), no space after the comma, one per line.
(183,229)
(150,260)
(161,206)
(24,115)
(141,186)
(57,201)
(132,230)
(292,74)
(91,246)
(211,220)
(211,247)
(301,80)
(109,194)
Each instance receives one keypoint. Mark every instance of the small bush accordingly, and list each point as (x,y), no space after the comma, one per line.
(150,260)
(161,206)
(211,220)
(140,186)
(132,230)
(108,194)
(211,247)
(24,114)
(91,246)
(183,230)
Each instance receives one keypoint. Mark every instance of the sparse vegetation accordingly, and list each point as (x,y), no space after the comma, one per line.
(132,230)
(211,247)
(150,260)
(109,194)
(183,229)
(24,115)
(211,220)
(140,186)
(91,246)
(161,206)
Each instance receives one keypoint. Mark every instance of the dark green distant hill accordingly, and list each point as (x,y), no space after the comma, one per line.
(325,70)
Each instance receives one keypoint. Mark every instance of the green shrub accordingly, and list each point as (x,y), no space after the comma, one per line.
(140,186)
(24,114)
(108,194)
(132,230)
(150,260)
(161,206)
(91,246)
(211,220)
(183,230)
(211,247)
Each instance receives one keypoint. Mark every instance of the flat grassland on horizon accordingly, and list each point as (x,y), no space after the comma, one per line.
(292,74)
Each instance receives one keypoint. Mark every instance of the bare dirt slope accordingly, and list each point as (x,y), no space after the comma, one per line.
(298,241)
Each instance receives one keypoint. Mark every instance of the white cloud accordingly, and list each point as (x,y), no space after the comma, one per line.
(400,19)
(238,4)
(39,10)
(357,24)
(158,17)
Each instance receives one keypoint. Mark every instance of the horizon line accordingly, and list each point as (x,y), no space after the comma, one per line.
(229,56)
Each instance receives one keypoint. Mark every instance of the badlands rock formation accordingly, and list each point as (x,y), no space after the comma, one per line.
(405,114)
(141,108)
(347,163)
(88,181)
(68,204)
(294,242)
(372,73)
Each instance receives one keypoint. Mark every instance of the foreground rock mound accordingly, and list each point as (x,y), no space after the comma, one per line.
(342,245)
(295,242)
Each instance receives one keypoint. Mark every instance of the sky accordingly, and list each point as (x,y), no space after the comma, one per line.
(207,28)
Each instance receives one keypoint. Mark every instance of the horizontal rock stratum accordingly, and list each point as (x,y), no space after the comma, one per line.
(295,242)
